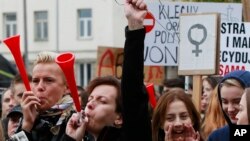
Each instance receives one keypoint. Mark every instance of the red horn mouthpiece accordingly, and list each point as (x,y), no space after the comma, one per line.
(151,94)
(66,62)
(13,43)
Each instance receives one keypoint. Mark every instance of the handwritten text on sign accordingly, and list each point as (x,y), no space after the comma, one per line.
(110,60)
(162,42)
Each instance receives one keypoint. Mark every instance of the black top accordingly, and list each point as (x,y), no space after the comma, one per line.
(136,121)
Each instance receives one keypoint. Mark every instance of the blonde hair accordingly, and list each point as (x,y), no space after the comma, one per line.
(231,82)
(214,117)
(45,57)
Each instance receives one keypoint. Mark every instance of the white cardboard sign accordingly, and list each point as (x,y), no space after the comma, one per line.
(162,42)
(198,44)
(235,47)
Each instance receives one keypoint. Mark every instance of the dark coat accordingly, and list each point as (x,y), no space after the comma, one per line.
(42,129)
(221,134)
(136,120)
(50,125)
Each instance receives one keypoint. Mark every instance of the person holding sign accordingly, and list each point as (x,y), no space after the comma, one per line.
(48,106)
(230,91)
(118,113)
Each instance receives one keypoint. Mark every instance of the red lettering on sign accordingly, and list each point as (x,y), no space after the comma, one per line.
(225,69)
(106,61)
(154,73)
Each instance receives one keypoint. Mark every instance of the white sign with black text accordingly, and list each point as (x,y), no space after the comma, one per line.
(162,42)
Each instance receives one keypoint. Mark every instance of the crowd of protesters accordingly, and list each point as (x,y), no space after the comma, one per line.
(117,110)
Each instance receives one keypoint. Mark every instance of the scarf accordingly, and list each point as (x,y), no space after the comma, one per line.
(64,107)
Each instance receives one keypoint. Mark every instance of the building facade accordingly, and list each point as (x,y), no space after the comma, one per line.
(78,26)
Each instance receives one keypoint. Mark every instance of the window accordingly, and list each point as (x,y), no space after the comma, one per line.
(84,23)
(41,26)
(10,24)
(85,73)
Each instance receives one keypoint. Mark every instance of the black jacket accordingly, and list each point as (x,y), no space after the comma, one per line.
(50,125)
(42,130)
(136,120)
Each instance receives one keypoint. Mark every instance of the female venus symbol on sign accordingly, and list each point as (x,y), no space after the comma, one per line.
(194,41)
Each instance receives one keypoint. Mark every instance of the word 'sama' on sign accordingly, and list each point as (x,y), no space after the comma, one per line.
(110,60)
(199,44)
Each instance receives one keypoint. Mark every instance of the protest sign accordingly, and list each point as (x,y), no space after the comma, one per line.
(109,62)
(199,44)
(162,42)
(235,47)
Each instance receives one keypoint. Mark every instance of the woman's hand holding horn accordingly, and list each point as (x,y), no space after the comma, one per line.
(29,106)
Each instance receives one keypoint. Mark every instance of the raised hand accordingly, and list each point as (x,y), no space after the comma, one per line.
(189,134)
(135,11)
(168,133)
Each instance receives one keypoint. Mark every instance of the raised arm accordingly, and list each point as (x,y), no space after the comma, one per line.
(136,121)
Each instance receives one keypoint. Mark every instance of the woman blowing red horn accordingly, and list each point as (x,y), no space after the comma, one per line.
(47,99)
(48,105)
(117,113)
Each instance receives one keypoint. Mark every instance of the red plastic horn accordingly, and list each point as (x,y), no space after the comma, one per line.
(151,94)
(66,62)
(13,43)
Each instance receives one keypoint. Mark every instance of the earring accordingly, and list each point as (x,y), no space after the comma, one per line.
(117,125)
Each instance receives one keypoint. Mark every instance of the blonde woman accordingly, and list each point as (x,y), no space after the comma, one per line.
(214,118)
(230,90)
